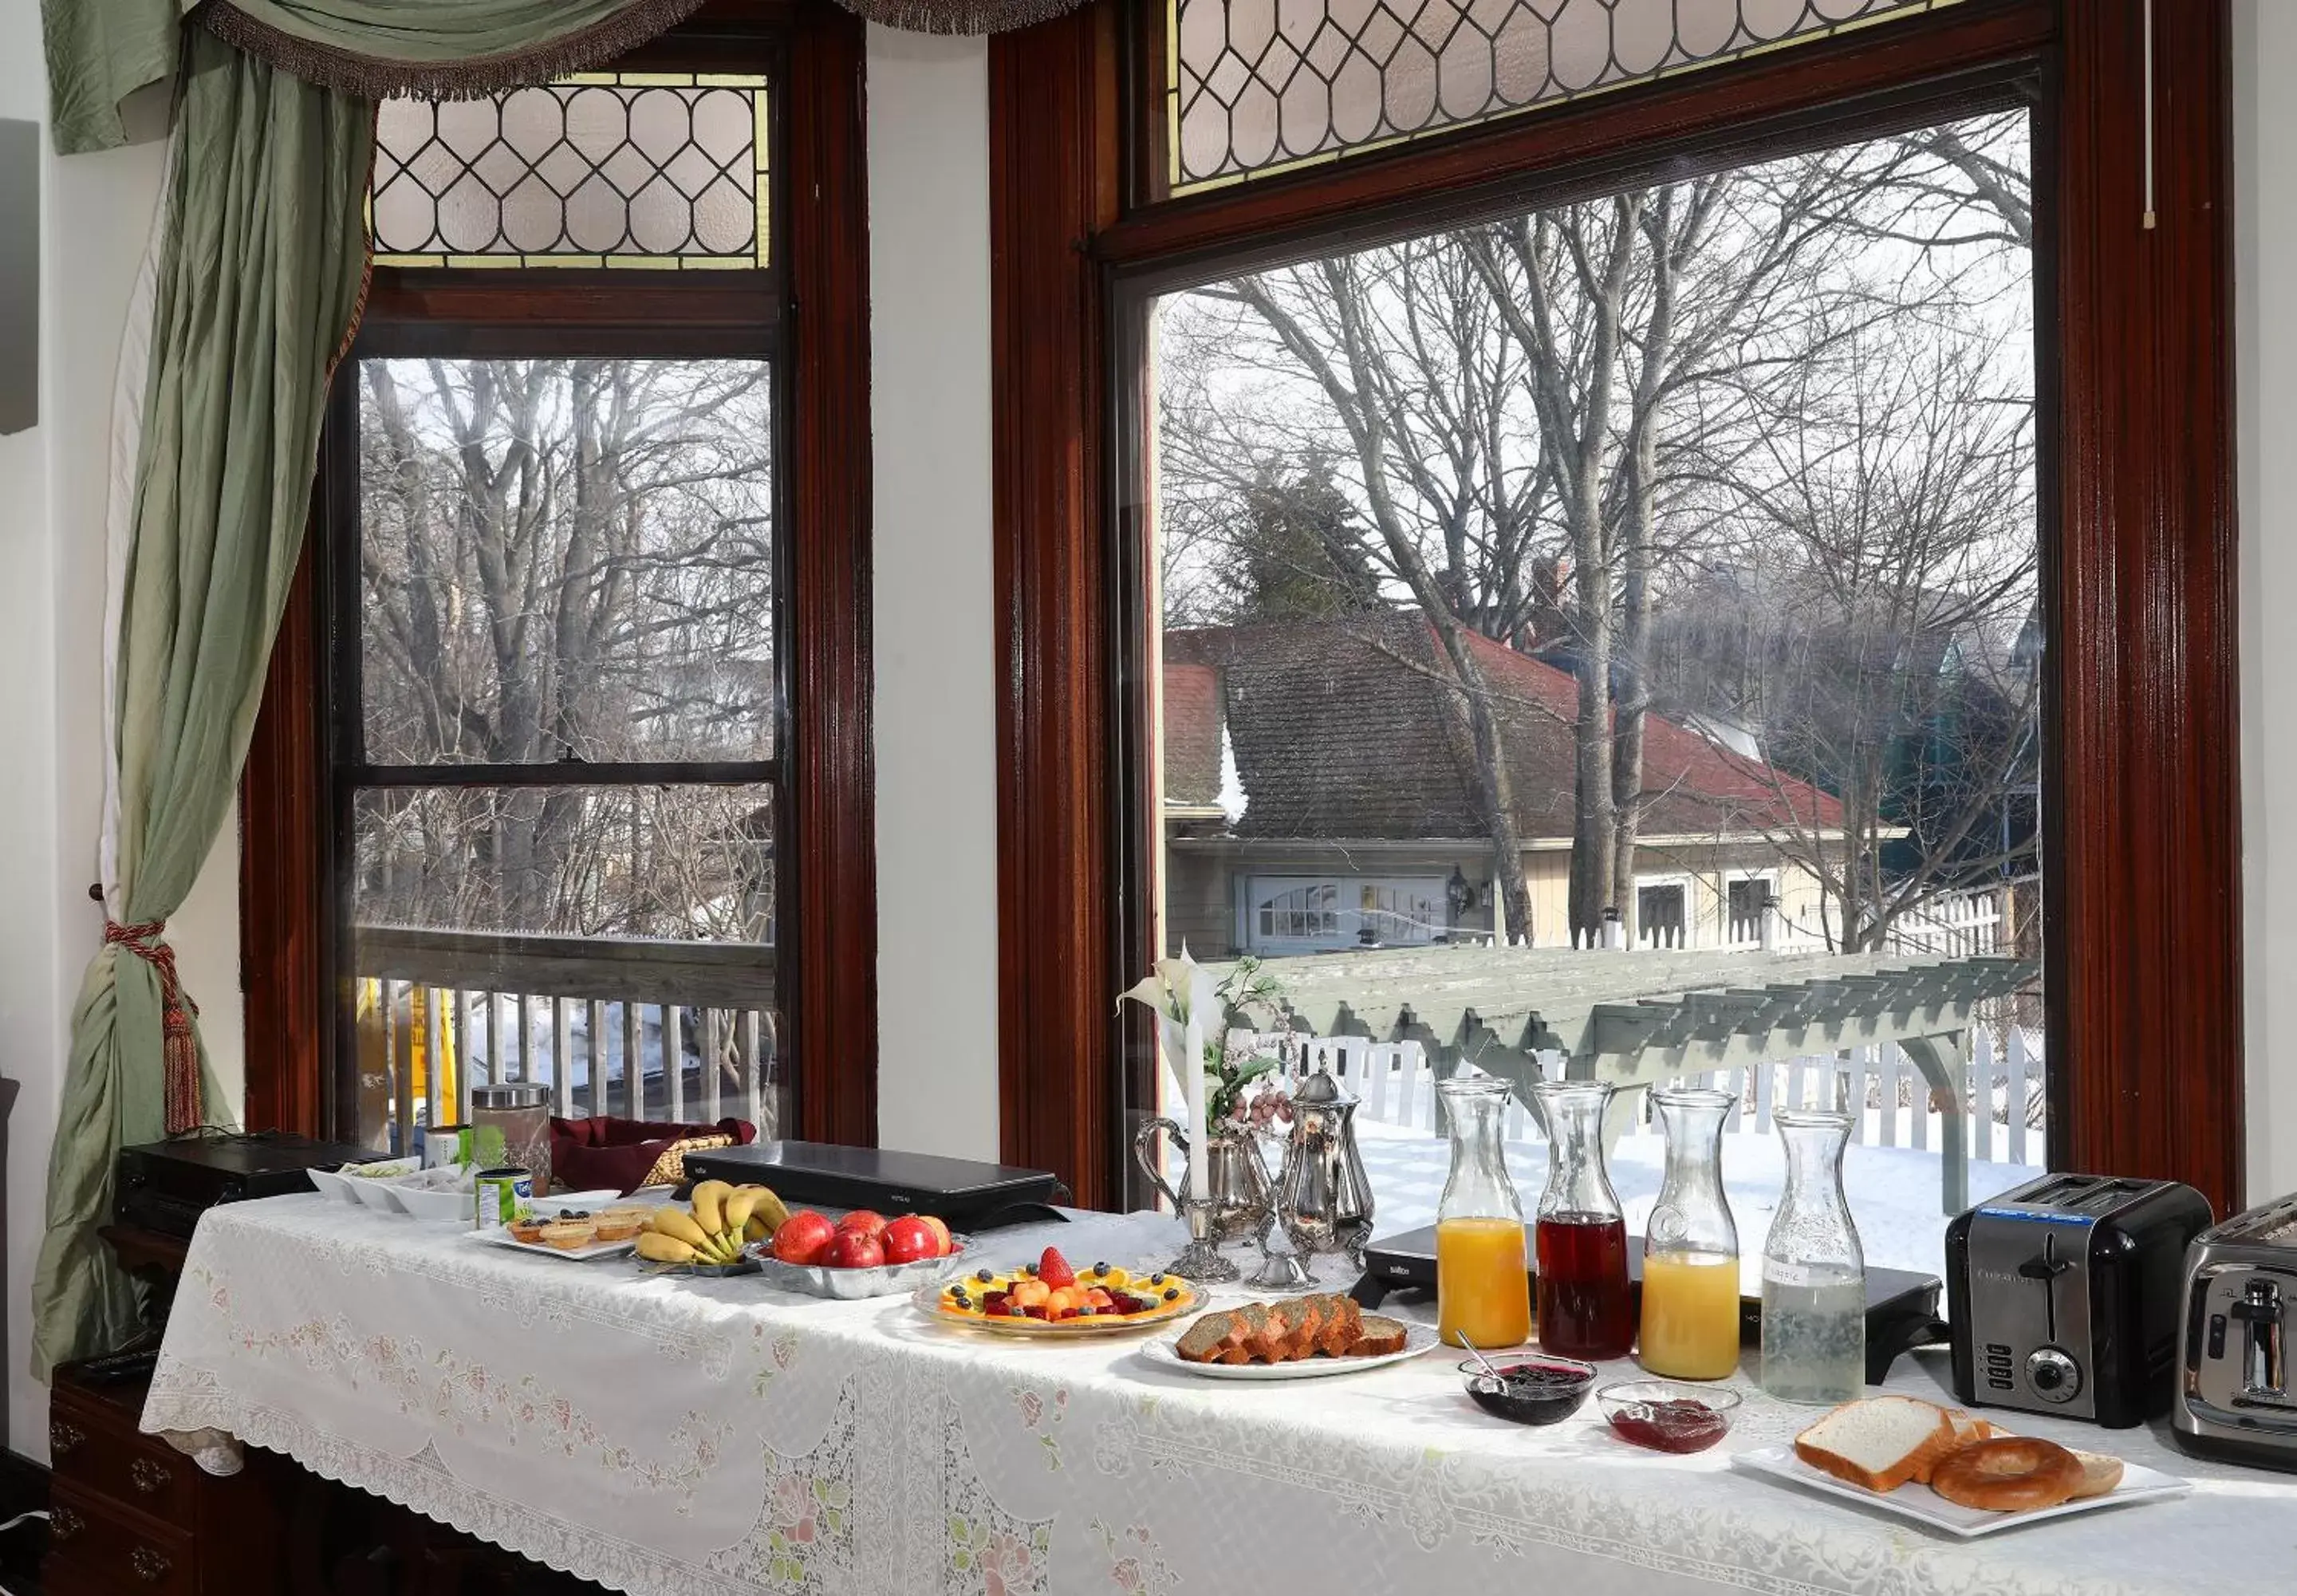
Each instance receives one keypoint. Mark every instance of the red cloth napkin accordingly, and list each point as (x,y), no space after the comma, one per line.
(590,1154)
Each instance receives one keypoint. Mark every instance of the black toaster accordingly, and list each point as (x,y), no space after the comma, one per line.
(2063,1295)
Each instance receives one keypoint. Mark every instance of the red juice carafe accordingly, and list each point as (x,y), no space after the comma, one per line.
(1581,1238)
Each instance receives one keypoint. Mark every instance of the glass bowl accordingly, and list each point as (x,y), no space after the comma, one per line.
(1667,1415)
(1537,1390)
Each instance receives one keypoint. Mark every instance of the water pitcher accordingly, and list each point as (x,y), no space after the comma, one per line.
(1691,1247)
(1585,1310)
(1814,1271)
(1483,1292)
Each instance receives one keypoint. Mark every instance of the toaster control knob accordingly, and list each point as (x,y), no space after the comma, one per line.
(2053,1375)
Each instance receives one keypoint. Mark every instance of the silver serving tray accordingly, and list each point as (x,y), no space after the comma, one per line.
(851,1285)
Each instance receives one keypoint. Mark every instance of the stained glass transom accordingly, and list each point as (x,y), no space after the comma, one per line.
(1257,86)
(646,169)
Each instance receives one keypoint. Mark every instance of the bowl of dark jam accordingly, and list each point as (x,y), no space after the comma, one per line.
(1666,1416)
(1535,1391)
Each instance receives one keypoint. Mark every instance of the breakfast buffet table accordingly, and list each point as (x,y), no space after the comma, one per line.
(676,1436)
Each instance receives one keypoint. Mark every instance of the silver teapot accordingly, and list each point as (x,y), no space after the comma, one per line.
(1323,1198)
(1236,1180)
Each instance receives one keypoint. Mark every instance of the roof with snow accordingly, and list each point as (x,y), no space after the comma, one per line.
(1348,728)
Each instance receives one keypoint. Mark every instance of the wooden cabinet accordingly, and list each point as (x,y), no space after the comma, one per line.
(131,1514)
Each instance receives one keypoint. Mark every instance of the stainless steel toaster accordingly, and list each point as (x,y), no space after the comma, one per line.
(2237,1396)
(2062,1296)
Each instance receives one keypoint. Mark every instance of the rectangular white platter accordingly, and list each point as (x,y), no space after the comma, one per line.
(1926,1507)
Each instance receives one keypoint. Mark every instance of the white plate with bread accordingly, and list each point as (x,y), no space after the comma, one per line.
(1951,1470)
(1300,1338)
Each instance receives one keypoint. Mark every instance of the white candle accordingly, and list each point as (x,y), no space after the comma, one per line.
(1192,1085)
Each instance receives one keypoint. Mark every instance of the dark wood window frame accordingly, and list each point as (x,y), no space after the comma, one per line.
(809,311)
(2144,964)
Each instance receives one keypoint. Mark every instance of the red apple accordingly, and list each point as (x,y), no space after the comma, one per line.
(854,1249)
(803,1238)
(868,1223)
(908,1239)
(945,1244)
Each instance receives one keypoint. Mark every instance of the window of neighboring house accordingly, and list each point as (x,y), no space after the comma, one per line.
(1742,907)
(1289,914)
(558,610)
(1661,920)
(1645,552)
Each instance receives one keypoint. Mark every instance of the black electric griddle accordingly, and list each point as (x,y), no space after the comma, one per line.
(969,1196)
(1902,1307)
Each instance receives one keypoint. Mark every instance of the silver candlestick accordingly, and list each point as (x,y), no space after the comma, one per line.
(1200,1261)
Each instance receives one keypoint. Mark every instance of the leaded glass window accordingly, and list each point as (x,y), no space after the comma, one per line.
(646,169)
(1253,86)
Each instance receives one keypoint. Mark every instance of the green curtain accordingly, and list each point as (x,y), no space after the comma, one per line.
(258,286)
(258,282)
(100,51)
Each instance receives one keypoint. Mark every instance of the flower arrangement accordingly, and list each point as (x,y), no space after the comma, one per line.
(1180,989)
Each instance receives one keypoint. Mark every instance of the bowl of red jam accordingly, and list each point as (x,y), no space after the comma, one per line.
(1666,1416)
(1536,1391)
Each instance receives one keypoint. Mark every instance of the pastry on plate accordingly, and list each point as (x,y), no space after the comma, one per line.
(570,1235)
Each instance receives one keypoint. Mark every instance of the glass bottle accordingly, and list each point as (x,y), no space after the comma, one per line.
(1585,1308)
(1691,1247)
(1483,1290)
(1814,1271)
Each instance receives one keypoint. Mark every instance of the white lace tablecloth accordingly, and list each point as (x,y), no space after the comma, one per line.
(680,1438)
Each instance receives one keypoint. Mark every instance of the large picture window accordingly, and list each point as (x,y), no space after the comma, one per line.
(1623,569)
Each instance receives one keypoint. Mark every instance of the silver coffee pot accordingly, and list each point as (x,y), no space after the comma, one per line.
(1323,1198)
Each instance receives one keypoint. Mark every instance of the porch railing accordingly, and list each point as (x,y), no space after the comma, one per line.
(651,1030)
(1892,1105)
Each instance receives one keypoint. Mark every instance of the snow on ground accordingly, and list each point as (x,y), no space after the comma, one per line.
(1894,1191)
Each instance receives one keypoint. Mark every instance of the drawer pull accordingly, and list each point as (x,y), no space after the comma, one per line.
(150,1567)
(63,1524)
(62,1437)
(150,1477)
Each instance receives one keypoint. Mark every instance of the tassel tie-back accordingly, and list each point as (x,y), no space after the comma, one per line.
(180,1046)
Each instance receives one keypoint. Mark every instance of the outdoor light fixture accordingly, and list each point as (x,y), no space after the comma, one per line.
(1459,892)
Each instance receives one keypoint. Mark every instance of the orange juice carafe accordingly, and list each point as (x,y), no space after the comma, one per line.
(1483,1289)
(1691,1247)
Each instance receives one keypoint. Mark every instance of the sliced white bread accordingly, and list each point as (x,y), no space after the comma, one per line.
(2099,1474)
(1878,1442)
(1967,1427)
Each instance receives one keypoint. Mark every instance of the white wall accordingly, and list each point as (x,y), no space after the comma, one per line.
(935,600)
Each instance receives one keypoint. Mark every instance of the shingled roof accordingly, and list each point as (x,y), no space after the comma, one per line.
(1338,729)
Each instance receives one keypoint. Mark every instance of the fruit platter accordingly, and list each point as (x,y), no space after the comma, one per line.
(748,1229)
(1051,1298)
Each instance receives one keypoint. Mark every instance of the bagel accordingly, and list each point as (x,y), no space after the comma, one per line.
(2009,1474)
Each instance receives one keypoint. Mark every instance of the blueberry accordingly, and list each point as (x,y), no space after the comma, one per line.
(1172,1294)
(1100,1269)
(1157,1280)
(984,1277)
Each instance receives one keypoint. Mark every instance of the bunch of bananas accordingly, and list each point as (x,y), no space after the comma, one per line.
(712,1231)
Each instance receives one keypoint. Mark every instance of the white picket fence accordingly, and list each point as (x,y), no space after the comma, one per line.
(2003,1096)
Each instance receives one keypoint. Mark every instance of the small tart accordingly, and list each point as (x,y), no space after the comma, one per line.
(618,1227)
(569,1234)
(528,1231)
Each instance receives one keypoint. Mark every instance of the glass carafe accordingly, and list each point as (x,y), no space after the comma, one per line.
(1585,1308)
(1483,1290)
(1691,1247)
(1814,1271)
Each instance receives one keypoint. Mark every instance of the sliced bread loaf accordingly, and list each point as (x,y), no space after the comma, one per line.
(1878,1442)
(1205,1340)
(1379,1337)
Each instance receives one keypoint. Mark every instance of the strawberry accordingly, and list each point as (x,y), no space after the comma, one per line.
(1054,1269)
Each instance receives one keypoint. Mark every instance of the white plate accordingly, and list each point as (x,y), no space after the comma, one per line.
(496,1236)
(1927,1507)
(1163,1353)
